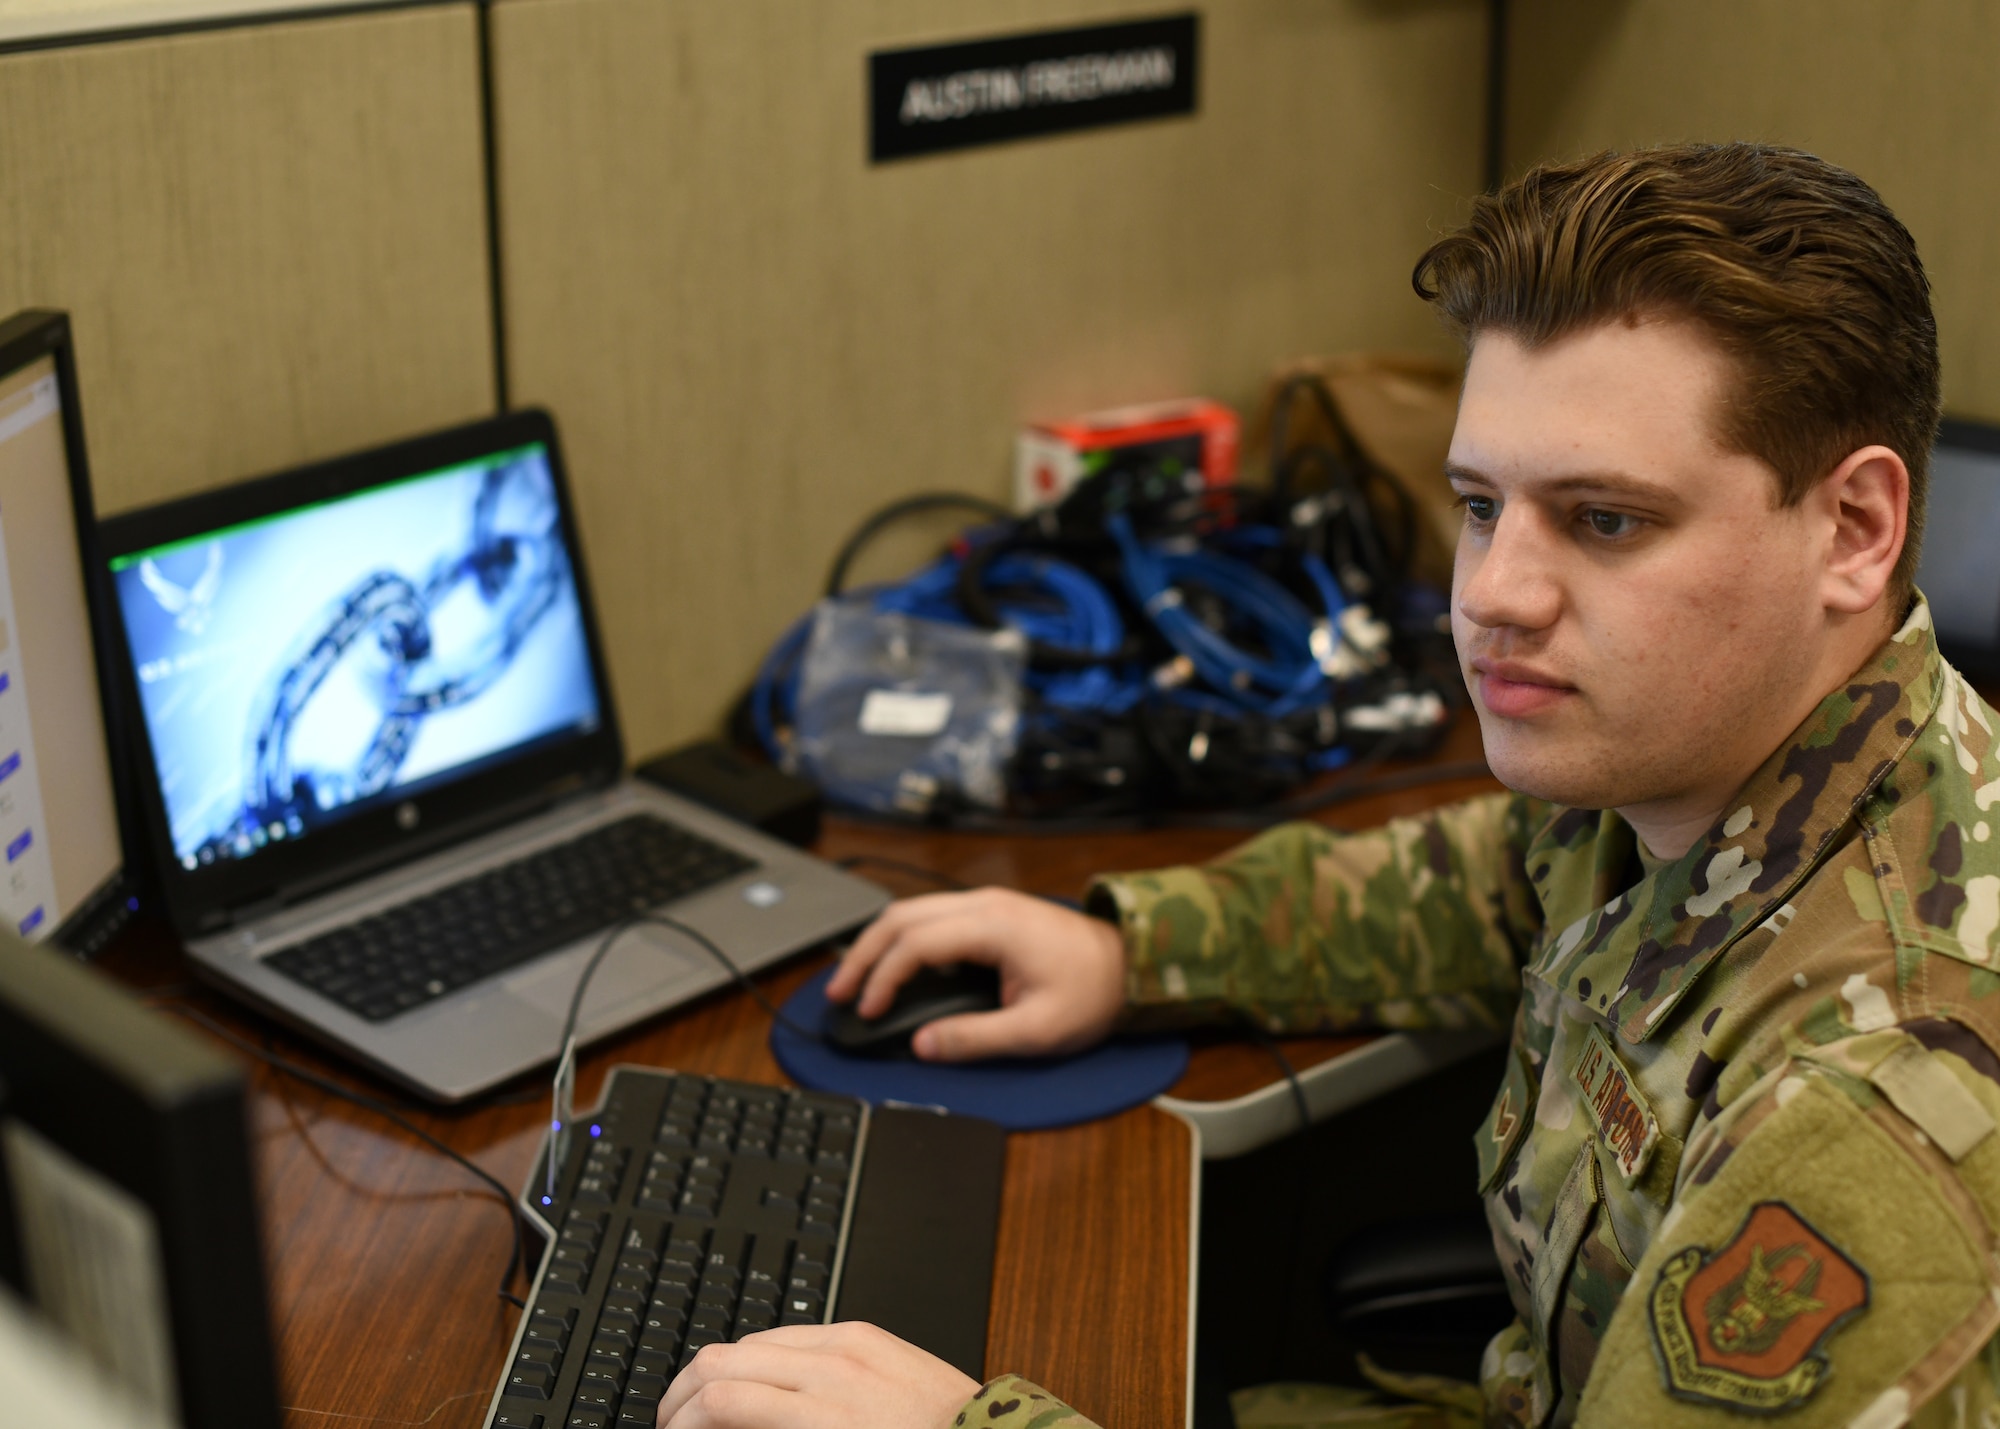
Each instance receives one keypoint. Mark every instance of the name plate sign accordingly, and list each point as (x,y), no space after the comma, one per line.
(923,101)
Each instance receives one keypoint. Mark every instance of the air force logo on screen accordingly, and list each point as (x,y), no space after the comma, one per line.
(189,605)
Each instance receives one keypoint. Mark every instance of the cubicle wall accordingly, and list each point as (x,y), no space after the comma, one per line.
(751,337)
(1903,93)
(272,237)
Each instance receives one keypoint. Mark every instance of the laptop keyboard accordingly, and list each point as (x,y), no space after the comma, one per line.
(408,955)
(691,1211)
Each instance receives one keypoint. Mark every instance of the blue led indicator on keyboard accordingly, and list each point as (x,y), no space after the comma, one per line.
(20,845)
(10,764)
(4,682)
(31,922)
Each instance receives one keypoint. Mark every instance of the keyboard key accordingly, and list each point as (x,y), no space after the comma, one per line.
(531,1353)
(767,1262)
(612,1350)
(616,1331)
(652,1367)
(648,1386)
(661,1343)
(642,1262)
(549,1330)
(588,1419)
(594,1394)
(530,1381)
(510,1417)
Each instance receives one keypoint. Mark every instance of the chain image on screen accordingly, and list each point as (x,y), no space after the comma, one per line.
(296,669)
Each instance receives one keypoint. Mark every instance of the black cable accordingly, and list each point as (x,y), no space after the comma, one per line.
(1268,1040)
(836,580)
(662,920)
(311,1078)
(896,865)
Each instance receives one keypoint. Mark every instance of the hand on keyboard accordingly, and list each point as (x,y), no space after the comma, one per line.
(843,1376)
(1062,974)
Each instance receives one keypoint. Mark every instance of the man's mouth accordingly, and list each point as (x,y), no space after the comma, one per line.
(1515,691)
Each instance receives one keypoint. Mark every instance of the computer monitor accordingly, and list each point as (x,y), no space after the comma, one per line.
(1960,568)
(60,853)
(126,1214)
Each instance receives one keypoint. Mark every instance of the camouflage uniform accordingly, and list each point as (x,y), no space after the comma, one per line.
(1742,1161)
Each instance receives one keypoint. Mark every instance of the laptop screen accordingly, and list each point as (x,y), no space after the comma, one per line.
(297,669)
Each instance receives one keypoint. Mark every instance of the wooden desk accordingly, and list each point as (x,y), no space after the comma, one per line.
(383,1256)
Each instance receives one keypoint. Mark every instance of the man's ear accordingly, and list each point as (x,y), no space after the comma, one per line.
(1867,500)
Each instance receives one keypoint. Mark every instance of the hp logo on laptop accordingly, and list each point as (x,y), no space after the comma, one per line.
(407,816)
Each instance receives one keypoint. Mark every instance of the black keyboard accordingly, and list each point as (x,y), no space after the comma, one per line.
(405,956)
(688,1211)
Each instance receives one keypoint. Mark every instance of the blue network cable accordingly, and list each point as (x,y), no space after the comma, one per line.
(1286,679)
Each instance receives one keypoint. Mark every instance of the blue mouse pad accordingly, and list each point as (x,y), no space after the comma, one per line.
(1019,1095)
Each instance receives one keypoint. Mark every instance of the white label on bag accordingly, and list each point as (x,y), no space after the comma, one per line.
(904,712)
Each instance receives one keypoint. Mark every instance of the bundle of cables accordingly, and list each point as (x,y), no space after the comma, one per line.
(1188,647)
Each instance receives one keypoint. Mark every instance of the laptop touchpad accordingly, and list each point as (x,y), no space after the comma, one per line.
(639,965)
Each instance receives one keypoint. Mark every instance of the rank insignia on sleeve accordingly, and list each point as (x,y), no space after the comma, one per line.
(1743,1326)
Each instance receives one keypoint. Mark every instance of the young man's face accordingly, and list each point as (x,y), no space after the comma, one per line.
(1635,614)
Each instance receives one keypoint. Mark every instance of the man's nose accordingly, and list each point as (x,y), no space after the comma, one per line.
(1510,578)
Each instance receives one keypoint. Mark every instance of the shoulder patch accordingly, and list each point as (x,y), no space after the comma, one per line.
(1742,1326)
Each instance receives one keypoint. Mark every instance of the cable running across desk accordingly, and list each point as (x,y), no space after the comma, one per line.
(515,1265)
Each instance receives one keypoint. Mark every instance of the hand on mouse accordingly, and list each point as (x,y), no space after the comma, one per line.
(846,1376)
(1062,974)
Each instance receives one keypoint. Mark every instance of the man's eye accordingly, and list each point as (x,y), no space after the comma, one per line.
(1611,523)
(1481,509)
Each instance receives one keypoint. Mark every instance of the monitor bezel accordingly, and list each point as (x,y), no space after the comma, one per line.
(157,1111)
(212,897)
(25,338)
(1980,663)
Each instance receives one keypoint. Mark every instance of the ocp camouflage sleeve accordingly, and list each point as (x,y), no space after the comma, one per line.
(1011,1402)
(1420,924)
(1831,1255)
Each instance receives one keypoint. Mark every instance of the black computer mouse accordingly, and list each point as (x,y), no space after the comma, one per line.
(930,993)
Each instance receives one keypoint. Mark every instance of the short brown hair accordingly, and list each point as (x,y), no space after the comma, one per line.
(1795,266)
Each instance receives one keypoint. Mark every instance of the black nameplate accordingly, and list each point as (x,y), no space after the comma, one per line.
(941,97)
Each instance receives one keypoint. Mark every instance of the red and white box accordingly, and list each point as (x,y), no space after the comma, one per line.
(1192,434)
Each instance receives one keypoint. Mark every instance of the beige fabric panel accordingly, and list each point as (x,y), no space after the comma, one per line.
(271,238)
(1900,91)
(751,338)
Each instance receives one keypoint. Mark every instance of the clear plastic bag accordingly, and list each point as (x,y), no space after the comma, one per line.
(895,713)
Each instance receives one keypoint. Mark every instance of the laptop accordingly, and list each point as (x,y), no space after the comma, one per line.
(380,772)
